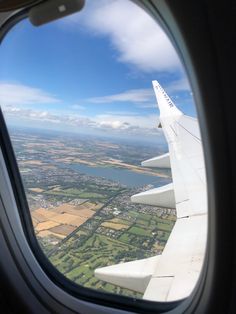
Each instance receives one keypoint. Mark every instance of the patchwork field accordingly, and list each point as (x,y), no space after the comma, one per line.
(62,220)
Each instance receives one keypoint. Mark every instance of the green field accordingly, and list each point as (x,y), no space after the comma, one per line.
(139,231)
(95,246)
(86,251)
(79,263)
(63,193)
(77,193)
(164,226)
(125,237)
(92,195)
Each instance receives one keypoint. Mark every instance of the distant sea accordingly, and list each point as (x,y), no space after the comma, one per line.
(123,176)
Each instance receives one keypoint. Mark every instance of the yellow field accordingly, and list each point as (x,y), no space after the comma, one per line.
(38,190)
(53,186)
(63,229)
(119,221)
(34,222)
(115,226)
(46,225)
(46,233)
(69,219)
(46,167)
(61,220)
(88,205)
(57,188)
(32,162)
(75,210)
(120,163)
(65,160)
(86,162)
(87,213)
(41,214)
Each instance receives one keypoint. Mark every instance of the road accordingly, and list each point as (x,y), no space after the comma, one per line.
(57,246)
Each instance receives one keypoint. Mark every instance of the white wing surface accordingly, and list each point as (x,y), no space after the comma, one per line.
(173,274)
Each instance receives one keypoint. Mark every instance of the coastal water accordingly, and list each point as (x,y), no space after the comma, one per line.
(123,176)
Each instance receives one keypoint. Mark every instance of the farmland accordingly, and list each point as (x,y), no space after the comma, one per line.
(78,191)
(63,219)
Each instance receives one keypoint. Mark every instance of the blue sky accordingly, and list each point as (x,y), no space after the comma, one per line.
(91,72)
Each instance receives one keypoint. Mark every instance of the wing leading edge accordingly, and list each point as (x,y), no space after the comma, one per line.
(173,274)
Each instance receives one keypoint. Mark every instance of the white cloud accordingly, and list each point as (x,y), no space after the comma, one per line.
(179,85)
(133,95)
(128,125)
(124,125)
(19,94)
(142,97)
(147,105)
(137,38)
(140,121)
(114,124)
(122,113)
(29,114)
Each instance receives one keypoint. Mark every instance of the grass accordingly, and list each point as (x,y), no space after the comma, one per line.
(98,256)
(139,231)
(72,192)
(164,226)
(61,193)
(91,195)
(133,214)
(78,262)
(125,237)
(142,222)
(145,217)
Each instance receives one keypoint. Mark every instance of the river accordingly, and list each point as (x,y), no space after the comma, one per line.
(123,176)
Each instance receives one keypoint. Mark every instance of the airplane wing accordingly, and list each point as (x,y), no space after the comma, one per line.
(173,274)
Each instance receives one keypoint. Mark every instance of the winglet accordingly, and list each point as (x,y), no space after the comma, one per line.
(165,104)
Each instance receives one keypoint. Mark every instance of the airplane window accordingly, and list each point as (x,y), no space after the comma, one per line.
(104,128)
